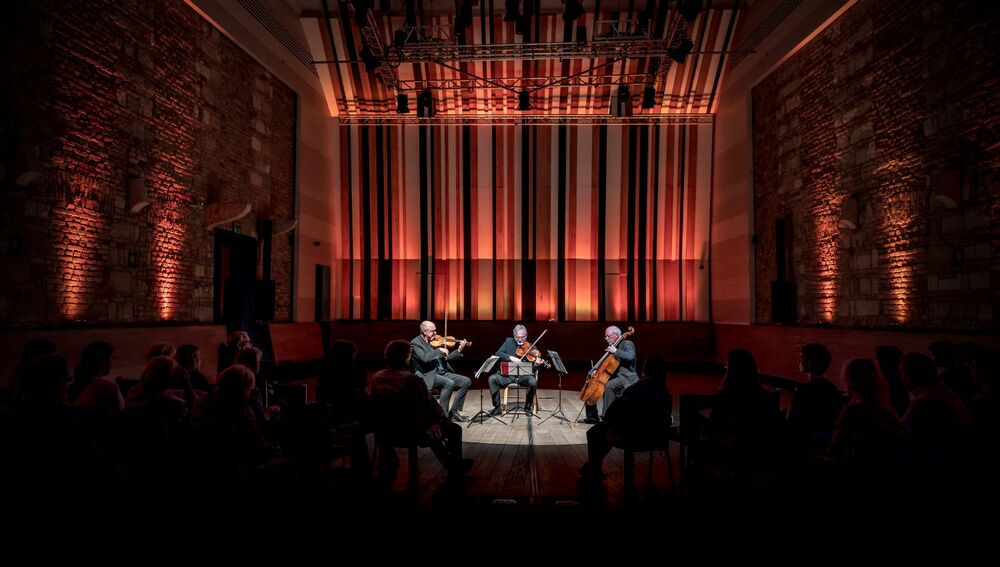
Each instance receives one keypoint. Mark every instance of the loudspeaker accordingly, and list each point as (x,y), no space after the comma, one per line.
(783,302)
(264,300)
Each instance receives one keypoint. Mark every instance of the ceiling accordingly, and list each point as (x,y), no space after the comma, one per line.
(560,72)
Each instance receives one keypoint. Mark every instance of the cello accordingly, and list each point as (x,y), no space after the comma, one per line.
(593,387)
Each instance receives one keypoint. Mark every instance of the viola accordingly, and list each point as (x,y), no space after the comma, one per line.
(532,355)
(593,388)
(437,341)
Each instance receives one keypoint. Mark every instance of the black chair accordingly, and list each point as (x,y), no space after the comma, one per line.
(629,465)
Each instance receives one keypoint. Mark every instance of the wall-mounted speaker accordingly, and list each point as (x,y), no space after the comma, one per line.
(783,302)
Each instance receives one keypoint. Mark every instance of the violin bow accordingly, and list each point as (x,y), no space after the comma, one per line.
(532,345)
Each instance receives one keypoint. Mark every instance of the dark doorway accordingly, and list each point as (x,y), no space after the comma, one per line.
(235,277)
(322,292)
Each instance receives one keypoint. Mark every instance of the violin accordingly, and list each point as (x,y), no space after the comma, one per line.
(593,388)
(437,341)
(532,355)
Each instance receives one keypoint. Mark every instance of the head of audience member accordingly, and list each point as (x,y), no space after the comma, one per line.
(864,383)
(986,371)
(741,372)
(944,353)
(161,374)
(38,346)
(234,385)
(919,371)
(814,359)
(249,357)
(238,340)
(95,362)
(655,368)
(397,354)
(46,378)
(888,358)
(160,349)
(189,358)
(340,354)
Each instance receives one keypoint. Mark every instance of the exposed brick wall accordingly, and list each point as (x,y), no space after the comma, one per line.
(892,106)
(109,91)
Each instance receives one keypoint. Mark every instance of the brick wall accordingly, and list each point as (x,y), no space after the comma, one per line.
(109,91)
(891,112)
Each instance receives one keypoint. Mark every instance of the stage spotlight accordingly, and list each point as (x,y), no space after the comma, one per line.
(402,103)
(425,104)
(680,53)
(621,104)
(689,9)
(511,11)
(523,100)
(371,62)
(410,19)
(574,10)
(648,97)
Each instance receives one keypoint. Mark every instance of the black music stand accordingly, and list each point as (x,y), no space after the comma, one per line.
(560,368)
(483,414)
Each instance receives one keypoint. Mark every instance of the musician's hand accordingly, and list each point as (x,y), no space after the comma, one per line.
(462,344)
(443,351)
(612,349)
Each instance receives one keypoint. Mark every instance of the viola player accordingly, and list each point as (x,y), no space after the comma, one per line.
(624,377)
(432,364)
(508,353)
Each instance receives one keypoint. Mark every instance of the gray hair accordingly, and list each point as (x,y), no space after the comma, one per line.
(614,330)
(520,328)
(424,325)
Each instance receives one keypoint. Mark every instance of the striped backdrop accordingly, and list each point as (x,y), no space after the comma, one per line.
(572,223)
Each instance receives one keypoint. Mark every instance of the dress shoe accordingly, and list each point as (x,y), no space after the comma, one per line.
(460,467)
(495,411)
(587,420)
(528,412)
(455,416)
(592,473)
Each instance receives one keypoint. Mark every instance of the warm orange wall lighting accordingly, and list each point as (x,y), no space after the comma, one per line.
(166,263)
(77,226)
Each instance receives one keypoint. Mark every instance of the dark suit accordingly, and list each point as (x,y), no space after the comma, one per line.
(498,381)
(624,377)
(439,375)
(640,418)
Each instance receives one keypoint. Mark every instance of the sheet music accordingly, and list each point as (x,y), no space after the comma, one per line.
(487,365)
(557,362)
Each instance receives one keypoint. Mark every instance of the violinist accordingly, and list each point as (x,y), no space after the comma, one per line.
(508,352)
(432,364)
(624,377)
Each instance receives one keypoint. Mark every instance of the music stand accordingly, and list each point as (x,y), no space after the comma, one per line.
(518,369)
(560,368)
(483,414)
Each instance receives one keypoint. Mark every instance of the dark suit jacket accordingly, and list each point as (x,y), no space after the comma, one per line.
(642,415)
(627,356)
(507,349)
(425,358)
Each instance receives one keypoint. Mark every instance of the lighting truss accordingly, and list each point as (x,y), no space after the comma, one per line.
(522,119)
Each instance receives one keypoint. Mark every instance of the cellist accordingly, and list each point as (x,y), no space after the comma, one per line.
(624,377)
